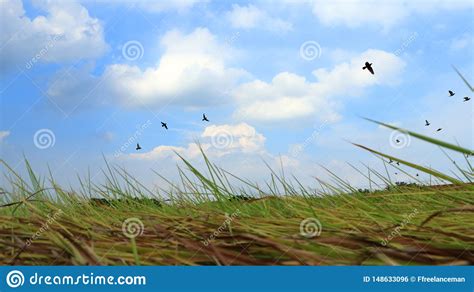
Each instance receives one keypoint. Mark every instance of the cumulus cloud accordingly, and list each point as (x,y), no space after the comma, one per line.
(355,13)
(250,16)
(3,135)
(192,71)
(216,141)
(237,148)
(290,96)
(66,32)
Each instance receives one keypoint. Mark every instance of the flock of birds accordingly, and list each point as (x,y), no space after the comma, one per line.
(165,125)
(369,68)
(451,93)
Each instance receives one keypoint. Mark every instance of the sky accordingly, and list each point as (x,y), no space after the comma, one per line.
(281,82)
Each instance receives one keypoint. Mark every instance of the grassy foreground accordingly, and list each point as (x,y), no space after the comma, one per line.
(207,221)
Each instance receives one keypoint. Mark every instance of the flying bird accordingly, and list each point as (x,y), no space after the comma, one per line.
(398,141)
(204,118)
(427,123)
(398,163)
(164,125)
(439,129)
(466,98)
(368,66)
(451,93)
(138,147)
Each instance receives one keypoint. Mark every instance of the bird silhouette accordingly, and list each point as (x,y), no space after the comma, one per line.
(390,161)
(398,163)
(164,125)
(466,98)
(427,123)
(439,129)
(451,93)
(204,118)
(368,66)
(138,147)
(417,174)
(398,141)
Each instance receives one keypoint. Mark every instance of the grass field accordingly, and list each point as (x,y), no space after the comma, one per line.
(207,221)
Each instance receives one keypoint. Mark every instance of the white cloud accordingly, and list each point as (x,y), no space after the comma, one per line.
(355,13)
(290,96)
(461,42)
(192,71)
(165,6)
(107,136)
(240,137)
(180,6)
(216,141)
(250,16)
(3,135)
(236,148)
(65,33)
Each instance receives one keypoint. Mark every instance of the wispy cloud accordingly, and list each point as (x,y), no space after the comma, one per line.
(250,16)
(3,135)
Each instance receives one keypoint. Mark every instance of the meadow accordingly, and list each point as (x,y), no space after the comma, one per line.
(206,220)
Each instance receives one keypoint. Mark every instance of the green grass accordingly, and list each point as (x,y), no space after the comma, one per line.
(206,220)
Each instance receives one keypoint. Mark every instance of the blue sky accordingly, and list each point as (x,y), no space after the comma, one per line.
(279,81)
